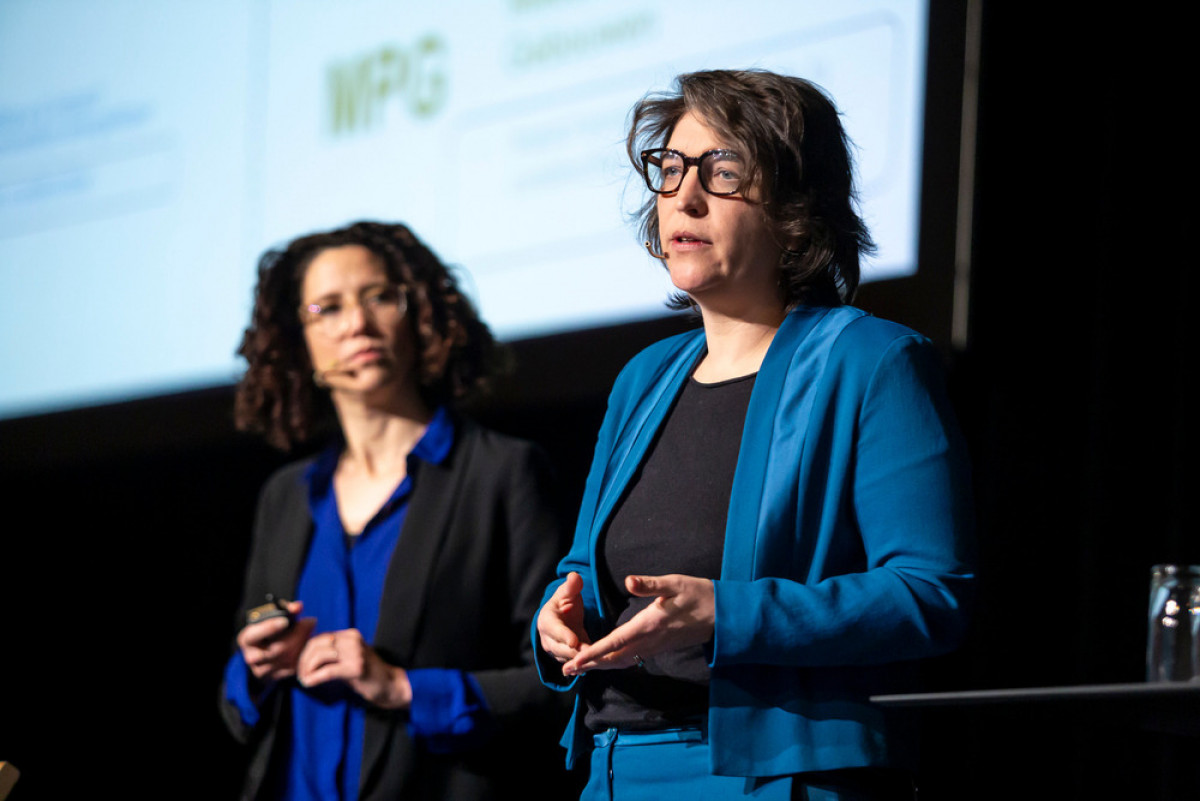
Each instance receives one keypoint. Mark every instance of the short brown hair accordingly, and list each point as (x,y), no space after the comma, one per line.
(788,130)
(277,396)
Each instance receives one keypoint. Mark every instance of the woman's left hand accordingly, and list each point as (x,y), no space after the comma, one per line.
(345,656)
(682,614)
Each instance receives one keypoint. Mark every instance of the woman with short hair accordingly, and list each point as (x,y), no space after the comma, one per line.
(777,520)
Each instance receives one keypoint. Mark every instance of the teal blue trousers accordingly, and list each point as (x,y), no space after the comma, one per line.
(673,765)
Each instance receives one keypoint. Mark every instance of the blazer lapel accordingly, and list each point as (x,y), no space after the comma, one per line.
(784,365)
(426,524)
(401,608)
(635,438)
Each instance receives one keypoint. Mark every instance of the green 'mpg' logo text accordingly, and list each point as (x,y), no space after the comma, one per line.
(361,88)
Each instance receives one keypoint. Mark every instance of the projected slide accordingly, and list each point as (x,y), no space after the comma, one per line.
(149,152)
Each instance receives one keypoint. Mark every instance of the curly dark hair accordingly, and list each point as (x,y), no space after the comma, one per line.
(789,132)
(277,396)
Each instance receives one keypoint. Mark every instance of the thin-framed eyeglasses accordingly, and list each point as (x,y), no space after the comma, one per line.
(722,172)
(382,303)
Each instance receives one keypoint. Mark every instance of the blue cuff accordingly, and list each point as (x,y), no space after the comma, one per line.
(448,712)
(237,689)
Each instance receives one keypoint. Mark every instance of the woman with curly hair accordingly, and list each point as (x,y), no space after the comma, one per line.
(391,577)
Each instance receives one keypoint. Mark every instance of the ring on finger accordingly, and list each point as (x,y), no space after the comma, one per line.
(638,662)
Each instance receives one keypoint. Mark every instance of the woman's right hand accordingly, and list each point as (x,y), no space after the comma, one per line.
(560,621)
(271,649)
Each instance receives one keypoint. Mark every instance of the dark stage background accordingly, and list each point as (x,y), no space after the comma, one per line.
(122,556)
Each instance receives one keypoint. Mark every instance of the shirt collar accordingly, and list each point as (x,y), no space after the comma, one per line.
(433,447)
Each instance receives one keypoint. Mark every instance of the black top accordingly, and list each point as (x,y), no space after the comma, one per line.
(671,520)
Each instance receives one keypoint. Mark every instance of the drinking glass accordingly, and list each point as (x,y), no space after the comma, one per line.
(1173,646)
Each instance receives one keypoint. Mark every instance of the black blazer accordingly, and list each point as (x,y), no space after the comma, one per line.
(480,541)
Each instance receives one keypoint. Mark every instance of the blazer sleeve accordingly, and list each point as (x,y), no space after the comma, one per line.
(280,510)
(894,494)
(535,535)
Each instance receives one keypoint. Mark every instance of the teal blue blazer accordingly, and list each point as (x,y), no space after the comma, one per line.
(848,542)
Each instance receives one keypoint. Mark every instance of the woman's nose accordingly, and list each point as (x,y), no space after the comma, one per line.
(691,197)
(355,319)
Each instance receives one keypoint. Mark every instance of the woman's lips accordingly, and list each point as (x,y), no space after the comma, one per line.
(686,241)
(366,356)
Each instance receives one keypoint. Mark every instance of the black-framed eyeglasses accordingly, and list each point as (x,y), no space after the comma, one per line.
(722,172)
